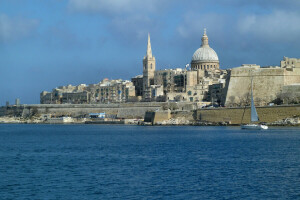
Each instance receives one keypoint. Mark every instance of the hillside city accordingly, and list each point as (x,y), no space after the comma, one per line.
(202,81)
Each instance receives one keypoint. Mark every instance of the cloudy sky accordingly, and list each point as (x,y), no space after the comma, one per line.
(45,44)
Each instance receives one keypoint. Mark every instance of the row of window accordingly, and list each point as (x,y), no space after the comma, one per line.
(205,67)
(289,62)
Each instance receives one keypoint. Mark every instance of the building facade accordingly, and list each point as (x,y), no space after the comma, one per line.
(148,72)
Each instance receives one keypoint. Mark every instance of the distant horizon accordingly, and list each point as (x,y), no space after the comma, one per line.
(54,43)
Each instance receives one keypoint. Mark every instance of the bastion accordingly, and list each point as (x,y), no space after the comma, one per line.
(267,84)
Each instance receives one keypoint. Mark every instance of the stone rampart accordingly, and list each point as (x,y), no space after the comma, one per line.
(267,83)
(157,116)
(125,110)
(235,115)
(292,77)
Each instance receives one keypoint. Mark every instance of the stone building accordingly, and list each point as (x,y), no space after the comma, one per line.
(107,91)
(138,84)
(148,72)
(56,96)
(157,93)
(205,80)
(172,80)
(75,97)
(290,63)
(112,91)
(205,58)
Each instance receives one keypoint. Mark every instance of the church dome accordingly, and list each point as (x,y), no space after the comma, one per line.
(205,53)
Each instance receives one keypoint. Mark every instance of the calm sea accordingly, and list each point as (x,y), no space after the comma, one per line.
(143,162)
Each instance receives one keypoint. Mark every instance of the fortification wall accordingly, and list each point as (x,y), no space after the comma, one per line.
(292,77)
(186,114)
(134,112)
(267,83)
(125,110)
(235,115)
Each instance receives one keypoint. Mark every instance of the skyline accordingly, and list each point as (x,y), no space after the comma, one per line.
(51,43)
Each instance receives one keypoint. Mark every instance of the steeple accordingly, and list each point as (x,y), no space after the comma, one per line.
(149,50)
(204,39)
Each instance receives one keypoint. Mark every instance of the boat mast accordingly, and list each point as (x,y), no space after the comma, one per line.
(254,116)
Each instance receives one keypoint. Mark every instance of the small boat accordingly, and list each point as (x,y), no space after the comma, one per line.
(254,116)
(254,126)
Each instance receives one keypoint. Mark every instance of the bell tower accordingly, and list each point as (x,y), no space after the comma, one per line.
(148,71)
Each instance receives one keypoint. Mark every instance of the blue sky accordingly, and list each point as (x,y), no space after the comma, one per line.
(45,44)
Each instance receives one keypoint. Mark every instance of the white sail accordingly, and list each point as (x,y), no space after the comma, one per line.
(254,116)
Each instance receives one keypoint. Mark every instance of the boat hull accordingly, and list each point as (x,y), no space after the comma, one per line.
(254,127)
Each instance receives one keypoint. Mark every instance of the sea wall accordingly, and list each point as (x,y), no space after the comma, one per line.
(235,115)
(124,110)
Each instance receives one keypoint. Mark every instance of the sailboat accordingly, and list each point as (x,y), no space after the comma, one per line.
(254,116)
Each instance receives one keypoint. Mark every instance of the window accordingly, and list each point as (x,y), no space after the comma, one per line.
(189,92)
(151,65)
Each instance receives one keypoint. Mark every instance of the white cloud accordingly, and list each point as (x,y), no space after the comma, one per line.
(115,7)
(128,20)
(193,25)
(132,26)
(276,26)
(15,28)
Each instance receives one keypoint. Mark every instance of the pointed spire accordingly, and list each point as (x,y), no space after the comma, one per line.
(149,50)
(204,39)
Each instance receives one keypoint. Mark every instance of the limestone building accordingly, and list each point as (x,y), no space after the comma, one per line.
(172,80)
(205,58)
(148,72)
(107,91)
(138,84)
(290,63)
(66,94)
(112,91)
(205,80)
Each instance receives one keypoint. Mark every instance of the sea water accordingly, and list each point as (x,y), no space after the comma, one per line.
(145,162)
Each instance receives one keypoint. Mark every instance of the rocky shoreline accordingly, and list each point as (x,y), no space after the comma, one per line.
(181,121)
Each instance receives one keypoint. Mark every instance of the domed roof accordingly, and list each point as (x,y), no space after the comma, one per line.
(205,53)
